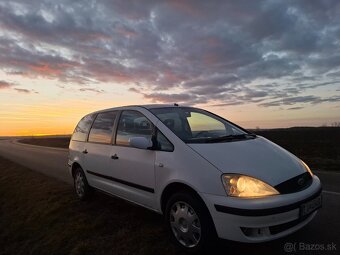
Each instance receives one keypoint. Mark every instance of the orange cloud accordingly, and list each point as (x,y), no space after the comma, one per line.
(5,84)
(46,69)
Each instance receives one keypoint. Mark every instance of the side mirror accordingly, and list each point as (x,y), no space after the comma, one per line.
(140,142)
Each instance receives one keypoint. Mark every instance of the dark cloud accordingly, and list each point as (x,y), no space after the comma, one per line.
(292,100)
(295,108)
(12,85)
(6,85)
(266,52)
(26,91)
(170,98)
(301,99)
(92,90)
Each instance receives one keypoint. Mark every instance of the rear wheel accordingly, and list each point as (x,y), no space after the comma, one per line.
(189,223)
(81,186)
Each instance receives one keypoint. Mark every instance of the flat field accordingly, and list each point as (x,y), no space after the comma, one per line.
(41,215)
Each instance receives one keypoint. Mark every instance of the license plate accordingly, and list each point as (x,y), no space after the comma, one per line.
(310,206)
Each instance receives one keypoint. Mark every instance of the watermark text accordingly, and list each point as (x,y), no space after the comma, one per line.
(302,246)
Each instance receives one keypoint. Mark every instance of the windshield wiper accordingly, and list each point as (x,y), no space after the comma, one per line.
(230,138)
(221,138)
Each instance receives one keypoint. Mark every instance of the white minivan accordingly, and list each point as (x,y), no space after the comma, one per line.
(209,177)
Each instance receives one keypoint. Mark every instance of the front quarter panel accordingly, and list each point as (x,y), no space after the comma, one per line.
(185,166)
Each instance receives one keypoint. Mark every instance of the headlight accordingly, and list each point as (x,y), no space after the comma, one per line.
(246,186)
(307,168)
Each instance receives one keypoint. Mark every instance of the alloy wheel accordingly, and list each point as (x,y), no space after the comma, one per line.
(185,224)
(79,184)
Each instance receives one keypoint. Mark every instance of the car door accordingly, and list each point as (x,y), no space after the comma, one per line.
(98,148)
(133,168)
(78,140)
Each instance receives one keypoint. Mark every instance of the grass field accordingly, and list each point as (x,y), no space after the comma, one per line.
(40,215)
(318,147)
(59,142)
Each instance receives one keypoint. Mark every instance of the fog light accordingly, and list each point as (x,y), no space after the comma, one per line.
(256,232)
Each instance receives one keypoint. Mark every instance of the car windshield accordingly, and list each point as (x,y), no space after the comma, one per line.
(194,125)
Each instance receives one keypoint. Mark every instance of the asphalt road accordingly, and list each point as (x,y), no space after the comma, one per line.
(321,236)
(49,161)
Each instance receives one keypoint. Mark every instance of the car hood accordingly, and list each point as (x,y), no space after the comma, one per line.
(259,158)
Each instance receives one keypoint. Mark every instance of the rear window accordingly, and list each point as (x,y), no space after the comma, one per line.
(133,124)
(102,128)
(82,129)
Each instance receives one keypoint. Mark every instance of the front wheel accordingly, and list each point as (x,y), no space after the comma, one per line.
(189,223)
(81,186)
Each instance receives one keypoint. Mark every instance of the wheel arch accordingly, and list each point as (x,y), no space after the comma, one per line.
(75,165)
(174,187)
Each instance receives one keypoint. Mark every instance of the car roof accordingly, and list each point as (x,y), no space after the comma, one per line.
(146,106)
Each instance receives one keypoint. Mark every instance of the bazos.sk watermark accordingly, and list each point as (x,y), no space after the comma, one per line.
(301,246)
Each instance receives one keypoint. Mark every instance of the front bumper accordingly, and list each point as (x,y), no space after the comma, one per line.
(261,219)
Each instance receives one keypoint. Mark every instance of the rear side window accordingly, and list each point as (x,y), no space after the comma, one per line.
(133,124)
(82,129)
(101,131)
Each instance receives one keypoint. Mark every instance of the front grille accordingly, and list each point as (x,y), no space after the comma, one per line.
(295,184)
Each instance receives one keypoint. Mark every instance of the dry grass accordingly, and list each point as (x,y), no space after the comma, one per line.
(58,142)
(40,215)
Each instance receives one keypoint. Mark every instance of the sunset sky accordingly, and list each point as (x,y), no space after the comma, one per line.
(258,63)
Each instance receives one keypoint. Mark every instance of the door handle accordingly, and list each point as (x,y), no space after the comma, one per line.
(114,156)
(85,151)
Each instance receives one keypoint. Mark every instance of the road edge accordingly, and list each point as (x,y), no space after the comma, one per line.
(16,141)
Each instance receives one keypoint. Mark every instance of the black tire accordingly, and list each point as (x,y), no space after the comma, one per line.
(208,237)
(82,189)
